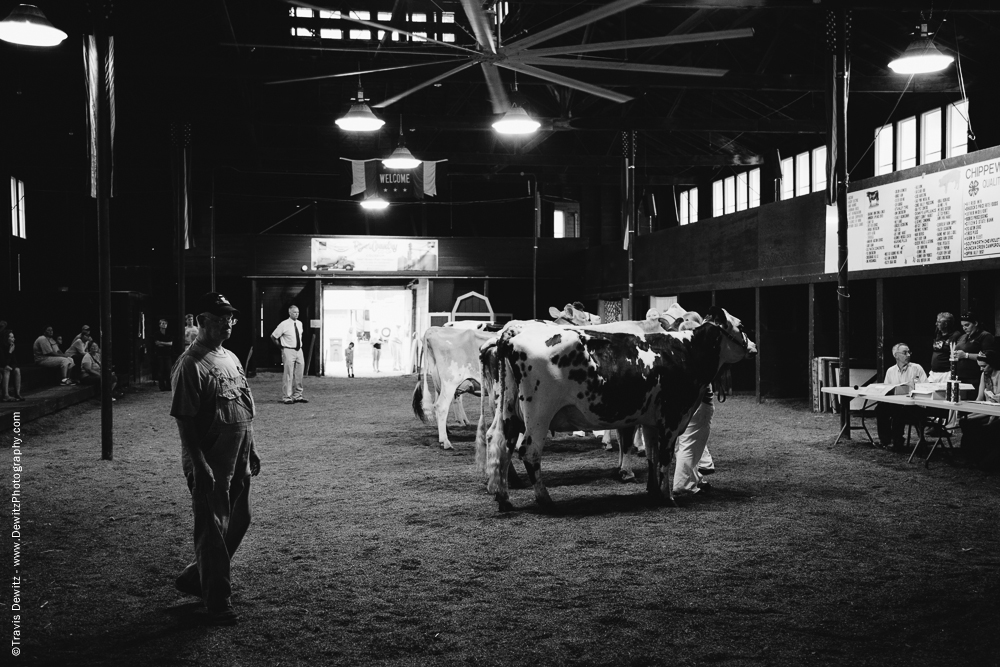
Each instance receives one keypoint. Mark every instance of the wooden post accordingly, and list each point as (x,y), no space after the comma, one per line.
(105,56)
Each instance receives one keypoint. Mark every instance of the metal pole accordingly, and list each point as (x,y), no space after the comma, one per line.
(211,242)
(843,294)
(631,224)
(104,84)
(534,258)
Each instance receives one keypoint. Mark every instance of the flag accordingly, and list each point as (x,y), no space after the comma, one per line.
(373,179)
(100,82)
(831,110)
(180,136)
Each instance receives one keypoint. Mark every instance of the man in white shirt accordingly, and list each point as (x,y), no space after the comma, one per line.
(892,419)
(288,336)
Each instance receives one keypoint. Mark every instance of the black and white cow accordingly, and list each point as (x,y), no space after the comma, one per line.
(567,378)
(451,367)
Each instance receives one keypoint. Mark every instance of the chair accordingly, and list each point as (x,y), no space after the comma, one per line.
(938,429)
(867,410)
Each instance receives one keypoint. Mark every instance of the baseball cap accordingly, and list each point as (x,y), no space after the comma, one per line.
(215,304)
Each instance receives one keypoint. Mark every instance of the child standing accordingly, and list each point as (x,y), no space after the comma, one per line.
(349,358)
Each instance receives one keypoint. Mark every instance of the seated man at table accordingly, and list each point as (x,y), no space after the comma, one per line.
(892,419)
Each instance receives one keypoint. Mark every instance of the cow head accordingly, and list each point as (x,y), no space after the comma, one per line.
(736,345)
(573,314)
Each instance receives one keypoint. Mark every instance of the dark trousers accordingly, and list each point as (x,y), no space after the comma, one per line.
(891,421)
(163,361)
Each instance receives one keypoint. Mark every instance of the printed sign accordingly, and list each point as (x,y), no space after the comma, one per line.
(941,217)
(374,254)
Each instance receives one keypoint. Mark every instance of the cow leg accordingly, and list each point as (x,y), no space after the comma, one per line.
(531,456)
(441,407)
(608,439)
(463,419)
(625,436)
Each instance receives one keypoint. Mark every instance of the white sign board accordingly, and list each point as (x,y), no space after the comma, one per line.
(941,217)
(374,253)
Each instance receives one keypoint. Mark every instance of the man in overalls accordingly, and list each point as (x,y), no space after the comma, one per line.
(214,410)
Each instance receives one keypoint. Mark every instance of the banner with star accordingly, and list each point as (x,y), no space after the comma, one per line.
(374,179)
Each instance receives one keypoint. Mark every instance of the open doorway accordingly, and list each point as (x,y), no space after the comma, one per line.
(367,316)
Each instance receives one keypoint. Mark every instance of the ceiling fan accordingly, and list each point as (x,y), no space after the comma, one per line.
(520,57)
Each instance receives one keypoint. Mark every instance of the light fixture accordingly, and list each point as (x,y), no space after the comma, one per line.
(27,25)
(401,158)
(516,121)
(360,118)
(921,56)
(375,203)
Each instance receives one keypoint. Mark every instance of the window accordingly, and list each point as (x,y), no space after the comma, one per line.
(448,37)
(384,16)
(819,169)
(754,188)
(930,136)
(729,194)
(906,142)
(329,14)
(741,192)
(361,34)
(883,150)
(717,199)
(420,37)
(787,179)
(303,32)
(687,207)
(958,129)
(364,16)
(302,13)
(327,33)
(447,17)
(17,227)
(566,221)
(801,174)
(418,18)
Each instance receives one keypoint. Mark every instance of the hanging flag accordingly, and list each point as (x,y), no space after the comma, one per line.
(373,179)
(831,110)
(100,81)
(180,137)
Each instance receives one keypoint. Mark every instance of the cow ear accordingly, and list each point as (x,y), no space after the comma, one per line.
(553,312)
(717,315)
(668,325)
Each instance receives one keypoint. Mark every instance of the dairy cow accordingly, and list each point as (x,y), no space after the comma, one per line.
(450,368)
(566,378)
(490,374)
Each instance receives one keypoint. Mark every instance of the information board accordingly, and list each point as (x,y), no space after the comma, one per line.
(374,254)
(946,216)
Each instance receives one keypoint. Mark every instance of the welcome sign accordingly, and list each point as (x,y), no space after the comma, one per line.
(376,180)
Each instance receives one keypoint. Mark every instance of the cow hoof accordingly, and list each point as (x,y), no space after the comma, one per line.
(608,448)
(628,477)
(506,506)
(446,445)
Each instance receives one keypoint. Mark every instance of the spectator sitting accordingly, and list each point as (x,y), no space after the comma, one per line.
(981,433)
(85,329)
(9,368)
(91,370)
(891,419)
(76,350)
(47,353)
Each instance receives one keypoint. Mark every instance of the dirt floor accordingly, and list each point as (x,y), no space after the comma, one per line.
(370,545)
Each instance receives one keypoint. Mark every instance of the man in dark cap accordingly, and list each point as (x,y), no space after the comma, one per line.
(214,410)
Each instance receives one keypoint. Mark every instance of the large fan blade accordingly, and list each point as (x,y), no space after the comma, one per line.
(573,24)
(381,26)
(565,81)
(666,40)
(393,100)
(621,67)
(359,73)
(480,26)
(498,94)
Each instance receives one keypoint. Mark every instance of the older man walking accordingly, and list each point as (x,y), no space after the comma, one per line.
(214,410)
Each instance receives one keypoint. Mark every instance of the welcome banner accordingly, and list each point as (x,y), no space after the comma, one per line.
(374,179)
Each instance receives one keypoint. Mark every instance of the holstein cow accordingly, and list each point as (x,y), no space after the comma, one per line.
(490,375)
(450,364)
(567,378)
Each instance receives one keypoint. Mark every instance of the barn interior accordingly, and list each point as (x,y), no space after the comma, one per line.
(695,132)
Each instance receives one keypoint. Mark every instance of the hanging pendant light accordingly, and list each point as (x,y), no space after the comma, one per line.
(516,121)
(921,56)
(28,26)
(375,203)
(401,157)
(360,118)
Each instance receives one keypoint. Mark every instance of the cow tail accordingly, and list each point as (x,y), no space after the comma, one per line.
(418,399)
